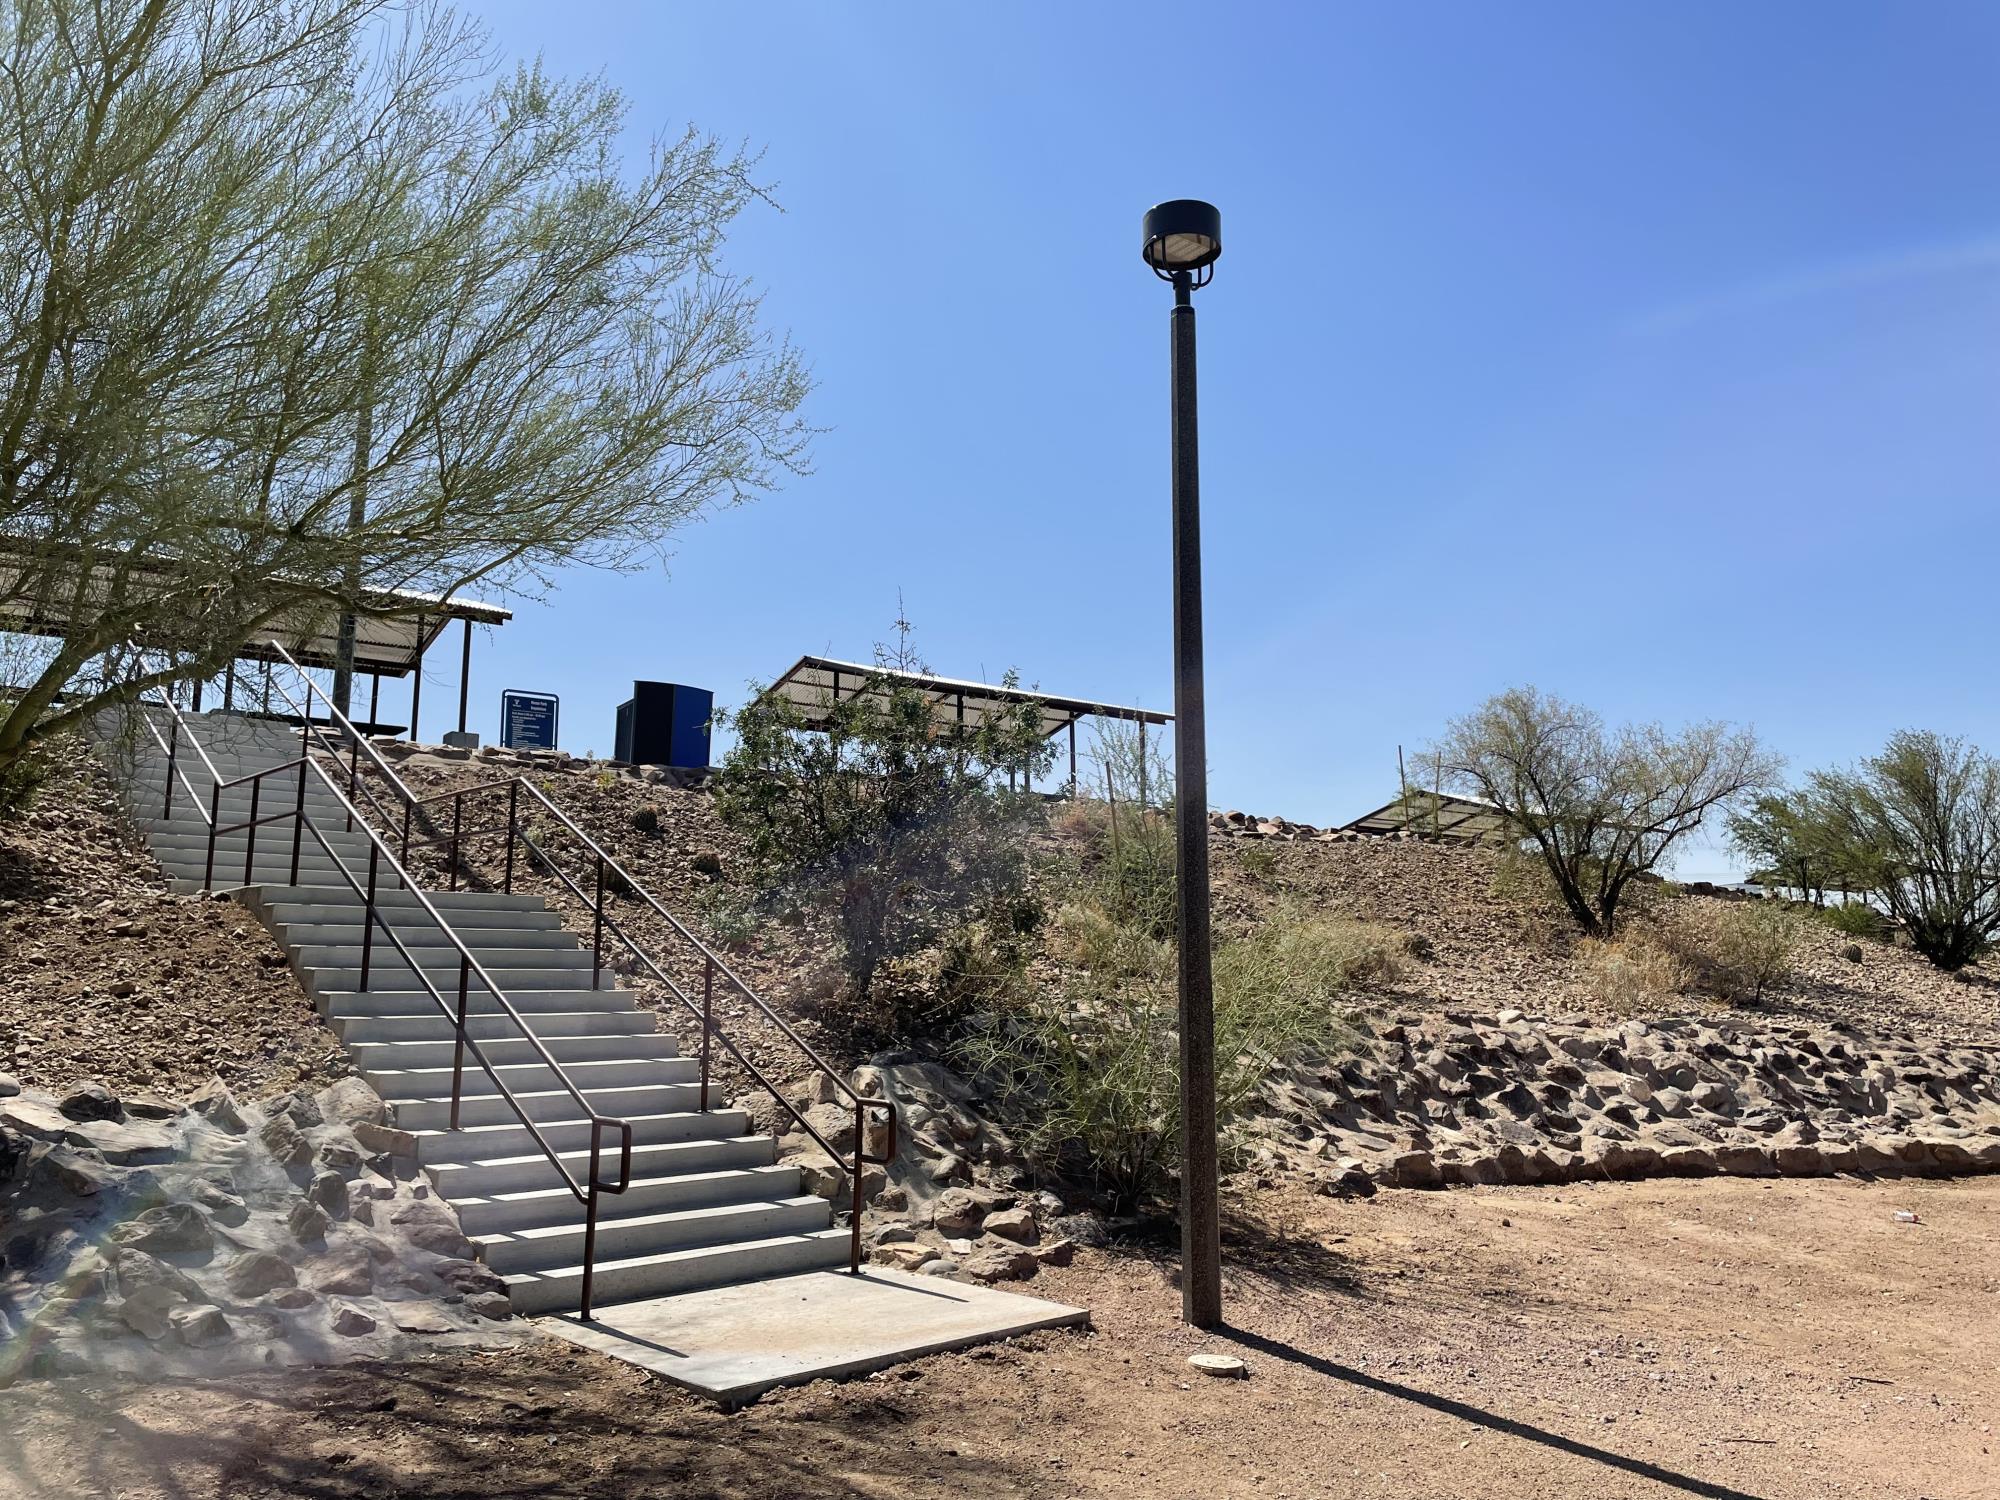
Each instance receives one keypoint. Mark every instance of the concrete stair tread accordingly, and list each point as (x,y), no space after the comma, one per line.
(672,1070)
(703,1227)
(696,1265)
(662,1153)
(470,1137)
(639,1220)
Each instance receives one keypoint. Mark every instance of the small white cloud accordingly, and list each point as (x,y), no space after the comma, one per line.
(1967,257)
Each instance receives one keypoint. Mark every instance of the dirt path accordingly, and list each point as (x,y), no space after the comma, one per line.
(1724,1339)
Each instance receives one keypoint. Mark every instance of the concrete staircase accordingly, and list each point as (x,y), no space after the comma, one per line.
(708,1203)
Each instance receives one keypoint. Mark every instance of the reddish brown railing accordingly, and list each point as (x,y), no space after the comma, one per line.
(593,1187)
(419,828)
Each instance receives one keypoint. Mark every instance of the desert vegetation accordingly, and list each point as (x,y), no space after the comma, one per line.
(302,295)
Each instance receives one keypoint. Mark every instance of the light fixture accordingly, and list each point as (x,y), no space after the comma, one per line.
(1184,234)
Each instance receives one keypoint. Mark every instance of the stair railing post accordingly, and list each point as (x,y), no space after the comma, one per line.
(214,817)
(860,1155)
(590,1217)
(173,745)
(707,1020)
(457,816)
(513,805)
(458,1045)
(404,857)
(250,833)
(597,931)
(353,769)
(368,912)
(298,821)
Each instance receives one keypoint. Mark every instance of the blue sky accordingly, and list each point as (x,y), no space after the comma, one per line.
(1647,354)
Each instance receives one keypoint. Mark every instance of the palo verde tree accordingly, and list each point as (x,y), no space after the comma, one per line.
(1920,826)
(896,819)
(1786,838)
(1600,807)
(300,296)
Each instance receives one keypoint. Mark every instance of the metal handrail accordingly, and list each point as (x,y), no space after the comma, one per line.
(470,967)
(713,965)
(172,747)
(413,804)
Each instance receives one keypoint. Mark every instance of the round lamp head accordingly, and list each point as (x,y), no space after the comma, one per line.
(1183,235)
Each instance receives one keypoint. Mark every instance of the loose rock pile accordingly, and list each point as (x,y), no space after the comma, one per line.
(1242,825)
(142,1236)
(1464,1098)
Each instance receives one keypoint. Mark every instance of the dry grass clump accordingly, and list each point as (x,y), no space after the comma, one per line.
(1738,952)
(1633,973)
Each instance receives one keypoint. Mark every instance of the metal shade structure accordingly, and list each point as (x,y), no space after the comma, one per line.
(1440,816)
(813,684)
(394,627)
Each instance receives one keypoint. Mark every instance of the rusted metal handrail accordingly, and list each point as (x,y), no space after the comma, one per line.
(587,1192)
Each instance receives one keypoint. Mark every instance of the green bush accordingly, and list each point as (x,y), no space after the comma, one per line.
(1855,919)
(1750,948)
(1092,1076)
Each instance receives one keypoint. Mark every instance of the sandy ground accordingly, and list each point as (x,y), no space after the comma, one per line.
(1727,1338)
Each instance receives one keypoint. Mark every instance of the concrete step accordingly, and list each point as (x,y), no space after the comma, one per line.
(522,1078)
(271,864)
(442,955)
(513,1048)
(678,1270)
(332,979)
(550,1105)
(317,903)
(507,1213)
(625,1236)
(354,1004)
(435,1026)
(486,1142)
(481,938)
(483,1179)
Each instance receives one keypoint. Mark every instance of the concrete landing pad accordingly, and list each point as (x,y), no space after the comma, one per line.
(734,1343)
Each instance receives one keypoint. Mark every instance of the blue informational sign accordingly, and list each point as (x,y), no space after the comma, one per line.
(528,720)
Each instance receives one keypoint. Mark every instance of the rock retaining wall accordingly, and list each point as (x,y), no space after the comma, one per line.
(1464,1098)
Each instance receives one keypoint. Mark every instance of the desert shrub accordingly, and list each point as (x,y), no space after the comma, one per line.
(1919,825)
(1259,863)
(1750,948)
(1634,972)
(1091,1076)
(646,820)
(896,822)
(1301,960)
(1087,937)
(1135,873)
(1855,919)
(731,919)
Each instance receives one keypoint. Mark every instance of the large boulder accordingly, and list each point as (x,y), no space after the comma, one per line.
(259,1272)
(286,1142)
(214,1103)
(351,1102)
(170,1227)
(91,1101)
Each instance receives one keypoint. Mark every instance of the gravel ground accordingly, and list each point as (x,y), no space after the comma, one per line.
(1785,1341)
(106,974)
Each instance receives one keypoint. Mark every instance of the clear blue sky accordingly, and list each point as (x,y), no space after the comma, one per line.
(1647,354)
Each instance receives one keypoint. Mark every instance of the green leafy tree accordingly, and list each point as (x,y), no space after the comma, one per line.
(895,819)
(299,297)
(1601,807)
(1920,824)
(1786,838)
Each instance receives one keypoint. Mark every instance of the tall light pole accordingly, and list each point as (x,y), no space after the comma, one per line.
(1183,239)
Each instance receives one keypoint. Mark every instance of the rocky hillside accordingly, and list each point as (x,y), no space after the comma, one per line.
(106,974)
